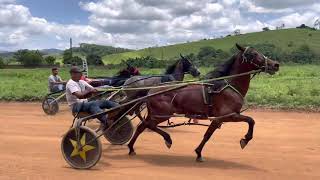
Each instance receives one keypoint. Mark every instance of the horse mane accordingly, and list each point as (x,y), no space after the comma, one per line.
(222,70)
(170,68)
(123,73)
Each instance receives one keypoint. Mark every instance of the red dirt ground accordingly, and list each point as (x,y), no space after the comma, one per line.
(286,145)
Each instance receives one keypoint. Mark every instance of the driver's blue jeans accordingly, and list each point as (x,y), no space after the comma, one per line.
(94,107)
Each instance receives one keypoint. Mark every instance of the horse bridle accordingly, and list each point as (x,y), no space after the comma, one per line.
(191,65)
(183,66)
(246,60)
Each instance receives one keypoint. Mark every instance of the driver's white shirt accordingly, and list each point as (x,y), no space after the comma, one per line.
(74,86)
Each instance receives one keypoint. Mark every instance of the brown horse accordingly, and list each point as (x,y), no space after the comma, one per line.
(225,104)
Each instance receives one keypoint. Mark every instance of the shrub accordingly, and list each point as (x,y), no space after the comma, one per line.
(67,56)
(209,56)
(266,29)
(1,63)
(94,59)
(29,58)
(69,59)
(290,44)
(50,60)
(303,55)
(76,60)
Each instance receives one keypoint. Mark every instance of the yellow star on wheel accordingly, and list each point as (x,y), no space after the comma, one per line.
(85,148)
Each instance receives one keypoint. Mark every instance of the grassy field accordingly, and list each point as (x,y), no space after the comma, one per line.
(280,38)
(293,87)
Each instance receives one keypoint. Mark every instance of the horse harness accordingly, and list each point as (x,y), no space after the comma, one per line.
(210,89)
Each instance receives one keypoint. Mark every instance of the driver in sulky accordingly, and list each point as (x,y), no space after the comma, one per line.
(77,92)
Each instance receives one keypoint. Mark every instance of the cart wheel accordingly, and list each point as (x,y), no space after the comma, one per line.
(120,133)
(88,156)
(50,106)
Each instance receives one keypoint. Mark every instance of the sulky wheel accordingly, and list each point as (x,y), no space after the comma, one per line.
(86,157)
(120,133)
(50,106)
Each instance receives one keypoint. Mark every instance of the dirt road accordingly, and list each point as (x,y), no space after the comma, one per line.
(286,145)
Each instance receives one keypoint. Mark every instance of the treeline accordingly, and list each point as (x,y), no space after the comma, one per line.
(209,56)
(34,58)
(98,50)
(301,55)
(29,58)
(91,52)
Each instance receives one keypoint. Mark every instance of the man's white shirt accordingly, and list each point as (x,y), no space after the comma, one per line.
(72,87)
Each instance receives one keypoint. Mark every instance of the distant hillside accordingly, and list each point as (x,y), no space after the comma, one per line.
(6,54)
(86,49)
(81,51)
(46,52)
(287,40)
(51,51)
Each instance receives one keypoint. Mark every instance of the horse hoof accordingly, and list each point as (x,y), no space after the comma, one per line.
(168,144)
(132,153)
(200,159)
(243,143)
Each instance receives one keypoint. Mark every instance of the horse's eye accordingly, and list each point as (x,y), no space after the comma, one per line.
(250,56)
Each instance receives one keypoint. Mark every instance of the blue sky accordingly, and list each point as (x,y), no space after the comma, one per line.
(61,11)
(39,24)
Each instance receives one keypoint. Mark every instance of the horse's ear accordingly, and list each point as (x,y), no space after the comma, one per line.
(240,47)
(182,56)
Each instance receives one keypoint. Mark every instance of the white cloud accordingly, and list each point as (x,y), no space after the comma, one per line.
(283,4)
(316,8)
(12,15)
(18,27)
(296,19)
(251,6)
(144,23)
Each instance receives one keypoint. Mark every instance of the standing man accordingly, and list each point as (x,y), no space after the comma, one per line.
(55,82)
(77,92)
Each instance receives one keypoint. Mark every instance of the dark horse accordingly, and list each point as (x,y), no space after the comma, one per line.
(226,103)
(174,72)
(117,80)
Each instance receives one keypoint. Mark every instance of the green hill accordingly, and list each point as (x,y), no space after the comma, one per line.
(101,50)
(85,49)
(287,40)
(82,51)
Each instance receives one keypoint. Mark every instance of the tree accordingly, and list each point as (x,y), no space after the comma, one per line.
(76,60)
(209,56)
(94,59)
(67,57)
(302,55)
(303,26)
(50,60)
(87,49)
(1,63)
(266,29)
(237,32)
(206,52)
(317,24)
(269,50)
(29,58)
